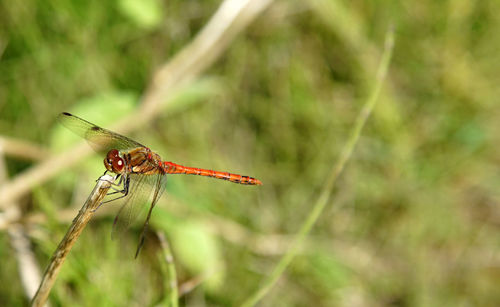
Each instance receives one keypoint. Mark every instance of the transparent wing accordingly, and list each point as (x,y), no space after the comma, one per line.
(133,205)
(99,138)
(142,188)
(159,188)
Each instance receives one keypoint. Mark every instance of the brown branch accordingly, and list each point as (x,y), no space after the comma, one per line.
(189,285)
(26,260)
(94,200)
(232,17)
(261,244)
(41,172)
(22,149)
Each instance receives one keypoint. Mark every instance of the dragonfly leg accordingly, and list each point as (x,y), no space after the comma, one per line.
(114,185)
(105,172)
(117,187)
(126,183)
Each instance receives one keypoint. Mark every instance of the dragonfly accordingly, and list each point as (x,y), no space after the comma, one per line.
(139,170)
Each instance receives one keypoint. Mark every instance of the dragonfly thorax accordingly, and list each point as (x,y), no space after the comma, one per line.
(114,162)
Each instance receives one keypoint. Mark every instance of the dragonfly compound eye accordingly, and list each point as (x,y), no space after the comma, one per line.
(118,165)
(113,162)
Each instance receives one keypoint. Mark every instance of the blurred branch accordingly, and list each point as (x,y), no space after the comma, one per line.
(234,233)
(22,149)
(41,172)
(188,286)
(29,270)
(94,200)
(172,274)
(26,261)
(332,178)
(232,17)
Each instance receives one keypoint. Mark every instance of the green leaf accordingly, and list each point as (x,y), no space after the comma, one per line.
(146,14)
(198,251)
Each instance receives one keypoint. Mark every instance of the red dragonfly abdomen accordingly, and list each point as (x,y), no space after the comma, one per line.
(172,168)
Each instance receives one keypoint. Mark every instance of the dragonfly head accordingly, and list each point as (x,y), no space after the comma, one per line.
(113,162)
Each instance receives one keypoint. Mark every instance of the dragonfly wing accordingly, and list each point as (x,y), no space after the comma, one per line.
(132,205)
(99,138)
(159,188)
(142,188)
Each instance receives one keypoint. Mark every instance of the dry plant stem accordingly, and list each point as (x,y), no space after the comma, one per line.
(172,275)
(76,228)
(22,149)
(188,286)
(232,17)
(332,178)
(11,213)
(26,261)
(42,172)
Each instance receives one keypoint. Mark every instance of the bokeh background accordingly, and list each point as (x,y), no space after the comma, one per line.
(413,221)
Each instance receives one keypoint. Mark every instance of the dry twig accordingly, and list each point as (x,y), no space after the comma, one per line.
(94,200)
(26,261)
(22,149)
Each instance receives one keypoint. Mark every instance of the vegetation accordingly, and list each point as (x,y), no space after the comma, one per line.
(412,221)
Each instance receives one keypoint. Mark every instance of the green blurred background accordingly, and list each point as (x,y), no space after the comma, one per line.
(413,221)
